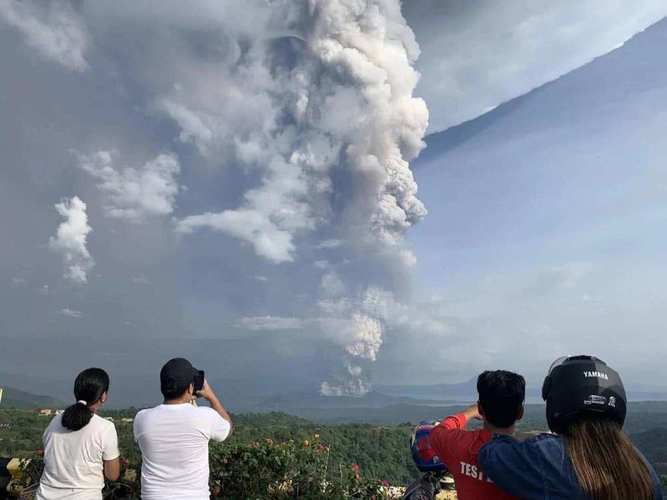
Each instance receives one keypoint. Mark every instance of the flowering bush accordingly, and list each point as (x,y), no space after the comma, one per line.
(269,456)
(269,470)
(261,470)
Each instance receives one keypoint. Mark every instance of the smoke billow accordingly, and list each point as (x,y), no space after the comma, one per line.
(70,240)
(311,103)
(338,127)
(53,29)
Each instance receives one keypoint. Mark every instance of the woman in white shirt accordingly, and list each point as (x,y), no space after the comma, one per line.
(80,447)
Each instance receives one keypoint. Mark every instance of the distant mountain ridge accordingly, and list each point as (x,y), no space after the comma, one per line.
(440,392)
(16,398)
(374,399)
(467,391)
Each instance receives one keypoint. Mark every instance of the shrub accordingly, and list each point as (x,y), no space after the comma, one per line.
(269,470)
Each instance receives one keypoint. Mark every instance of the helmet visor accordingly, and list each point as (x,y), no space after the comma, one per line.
(557,362)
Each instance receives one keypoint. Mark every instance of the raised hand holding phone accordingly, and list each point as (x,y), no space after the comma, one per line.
(205,391)
(198,382)
(208,394)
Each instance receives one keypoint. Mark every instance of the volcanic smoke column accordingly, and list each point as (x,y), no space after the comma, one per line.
(329,124)
(366,53)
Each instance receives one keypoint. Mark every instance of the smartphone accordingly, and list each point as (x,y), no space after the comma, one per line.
(198,381)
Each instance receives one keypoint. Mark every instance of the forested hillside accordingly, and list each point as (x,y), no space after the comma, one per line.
(15,398)
(272,448)
(265,449)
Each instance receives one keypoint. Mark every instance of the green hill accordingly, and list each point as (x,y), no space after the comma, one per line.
(15,398)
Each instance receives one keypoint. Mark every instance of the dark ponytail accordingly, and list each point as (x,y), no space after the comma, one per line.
(89,386)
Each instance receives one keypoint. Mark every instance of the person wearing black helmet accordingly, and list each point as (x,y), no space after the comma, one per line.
(588,456)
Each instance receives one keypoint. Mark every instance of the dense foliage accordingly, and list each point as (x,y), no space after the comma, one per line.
(283,470)
(269,456)
(273,455)
(382,452)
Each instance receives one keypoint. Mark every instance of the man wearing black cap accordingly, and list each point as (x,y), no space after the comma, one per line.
(173,437)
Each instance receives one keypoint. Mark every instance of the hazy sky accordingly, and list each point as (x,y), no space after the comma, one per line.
(231,183)
(548,225)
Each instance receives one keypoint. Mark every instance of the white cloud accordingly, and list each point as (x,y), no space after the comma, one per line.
(478,55)
(248,225)
(331,285)
(53,28)
(192,126)
(558,278)
(328,244)
(71,238)
(134,193)
(71,313)
(271,323)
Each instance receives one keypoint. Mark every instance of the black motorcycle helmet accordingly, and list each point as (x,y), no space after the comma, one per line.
(582,385)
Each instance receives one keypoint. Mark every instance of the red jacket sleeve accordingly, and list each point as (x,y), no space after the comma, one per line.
(442,435)
(452,422)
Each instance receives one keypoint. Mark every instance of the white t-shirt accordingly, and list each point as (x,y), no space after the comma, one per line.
(174,446)
(73,467)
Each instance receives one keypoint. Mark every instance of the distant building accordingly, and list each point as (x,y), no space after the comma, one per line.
(45,412)
(1,391)
(60,412)
(127,420)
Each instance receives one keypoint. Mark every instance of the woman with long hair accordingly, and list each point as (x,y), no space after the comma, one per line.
(587,455)
(80,447)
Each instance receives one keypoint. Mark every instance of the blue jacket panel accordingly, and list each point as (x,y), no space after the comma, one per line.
(537,468)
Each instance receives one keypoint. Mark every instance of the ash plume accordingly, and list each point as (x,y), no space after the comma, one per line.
(310,104)
(331,147)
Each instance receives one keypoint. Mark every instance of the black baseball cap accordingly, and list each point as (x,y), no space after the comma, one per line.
(175,377)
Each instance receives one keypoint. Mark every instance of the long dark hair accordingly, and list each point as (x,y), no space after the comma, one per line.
(89,386)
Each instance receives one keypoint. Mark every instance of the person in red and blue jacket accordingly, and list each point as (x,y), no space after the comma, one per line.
(500,405)
(588,456)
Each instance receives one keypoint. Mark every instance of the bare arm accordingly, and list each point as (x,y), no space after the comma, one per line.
(208,394)
(450,430)
(112,469)
(472,412)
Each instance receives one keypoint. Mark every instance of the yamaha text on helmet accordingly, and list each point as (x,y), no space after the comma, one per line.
(582,385)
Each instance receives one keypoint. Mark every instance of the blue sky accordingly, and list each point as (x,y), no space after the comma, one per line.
(247,202)
(546,214)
